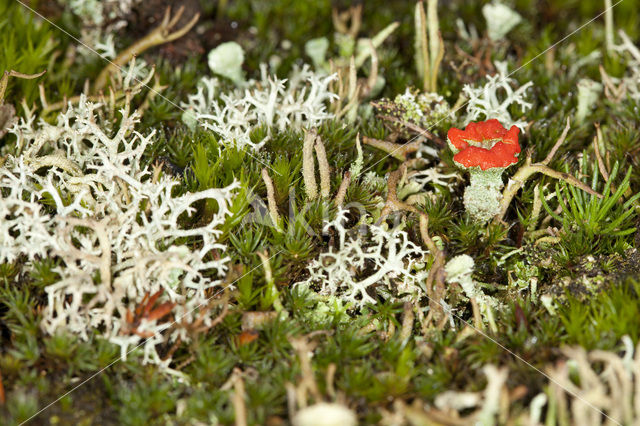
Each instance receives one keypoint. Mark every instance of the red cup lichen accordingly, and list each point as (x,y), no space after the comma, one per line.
(485,149)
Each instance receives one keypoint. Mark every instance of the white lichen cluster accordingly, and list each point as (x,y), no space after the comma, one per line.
(383,261)
(297,102)
(76,191)
(494,99)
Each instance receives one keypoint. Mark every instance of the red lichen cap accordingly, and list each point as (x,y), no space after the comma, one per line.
(485,144)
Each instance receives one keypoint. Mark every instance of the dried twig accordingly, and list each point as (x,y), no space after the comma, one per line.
(4,81)
(435,279)
(323,166)
(397,151)
(159,35)
(307,382)
(393,204)
(238,398)
(407,321)
(329,378)
(308,165)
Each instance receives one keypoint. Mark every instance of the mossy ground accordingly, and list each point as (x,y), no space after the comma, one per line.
(591,272)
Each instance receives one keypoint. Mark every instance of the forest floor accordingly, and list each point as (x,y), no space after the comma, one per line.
(278,212)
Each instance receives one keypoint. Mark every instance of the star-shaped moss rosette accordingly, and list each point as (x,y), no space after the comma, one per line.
(485,149)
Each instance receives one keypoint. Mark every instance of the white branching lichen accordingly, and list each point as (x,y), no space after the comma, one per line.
(114,228)
(297,102)
(494,99)
(386,260)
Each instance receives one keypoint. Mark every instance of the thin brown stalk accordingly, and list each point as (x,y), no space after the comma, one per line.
(407,321)
(271,198)
(397,151)
(342,190)
(323,167)
(160,35)
(238,399)
(393,204)
(4,81)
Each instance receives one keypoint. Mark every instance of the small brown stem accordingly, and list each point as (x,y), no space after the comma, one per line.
(477,318)
(323,166)
(436,274)
(186,362)
(559,142)
(597,140)
(397,151)
(271,198)
(329,378)
(342,190)
(570,179)
(238,399)
(304,350)
(424,233)
(435,286)
(4,81)
(173,349)
(393,204)
(407,321)
(308,165)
